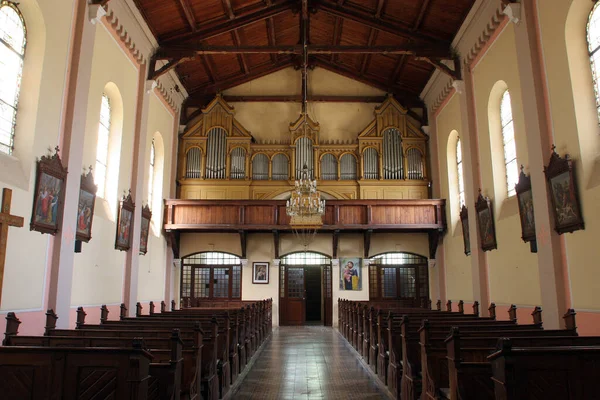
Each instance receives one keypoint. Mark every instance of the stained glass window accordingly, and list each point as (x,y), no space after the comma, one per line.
(13,37)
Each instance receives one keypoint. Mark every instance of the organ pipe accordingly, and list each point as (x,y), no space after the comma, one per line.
(329,167)
(260,167)
(281,166)
(415,164)
(193,163)
(348,167)
(304,156)
(371,163)
(238,163)
(393,164)
(216,157)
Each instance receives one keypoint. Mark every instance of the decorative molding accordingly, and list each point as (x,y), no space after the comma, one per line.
(513,12)
(459,86)
(177,262)
(276,262)
(474,35)
(95,13)
(335,262)
(431,263)
(244,262)
(150,85)
(125,20)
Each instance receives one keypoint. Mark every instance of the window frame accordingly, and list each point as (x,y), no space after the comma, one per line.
(151,173)
(594,51)
(218,260)
(19,76)
(101,183)
(377,265)
(511,173)
(460,177)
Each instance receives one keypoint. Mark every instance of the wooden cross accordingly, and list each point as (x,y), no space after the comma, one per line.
(6,220)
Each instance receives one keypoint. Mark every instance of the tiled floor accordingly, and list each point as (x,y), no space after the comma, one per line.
(310,362)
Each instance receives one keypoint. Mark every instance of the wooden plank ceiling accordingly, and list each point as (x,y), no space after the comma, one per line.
(394,45)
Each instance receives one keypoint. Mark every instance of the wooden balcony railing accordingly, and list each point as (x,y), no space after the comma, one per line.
(270,215)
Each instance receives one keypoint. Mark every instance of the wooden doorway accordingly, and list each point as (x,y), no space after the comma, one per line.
(305,289)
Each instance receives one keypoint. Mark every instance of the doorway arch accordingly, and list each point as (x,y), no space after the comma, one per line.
(305,289)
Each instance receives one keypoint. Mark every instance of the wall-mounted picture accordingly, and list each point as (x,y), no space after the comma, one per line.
(146,218)
(350,274)
(125,223)
(49,194)
(485,221)
(563,192)
(85,209)
(464,222)
(260,272)
(525,201)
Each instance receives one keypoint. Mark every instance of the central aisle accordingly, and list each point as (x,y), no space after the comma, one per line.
(308,362)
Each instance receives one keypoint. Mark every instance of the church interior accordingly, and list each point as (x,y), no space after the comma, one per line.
(207,199)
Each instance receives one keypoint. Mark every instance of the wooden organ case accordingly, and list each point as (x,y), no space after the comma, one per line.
(219,158)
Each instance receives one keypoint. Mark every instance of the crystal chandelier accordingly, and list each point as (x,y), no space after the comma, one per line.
(306,209)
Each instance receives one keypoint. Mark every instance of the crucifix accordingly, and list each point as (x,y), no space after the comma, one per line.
(6,220)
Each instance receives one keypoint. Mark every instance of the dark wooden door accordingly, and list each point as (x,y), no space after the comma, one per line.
(296,296)
(312,278)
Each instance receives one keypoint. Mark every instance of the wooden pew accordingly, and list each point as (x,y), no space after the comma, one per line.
(550,373)
(67,372)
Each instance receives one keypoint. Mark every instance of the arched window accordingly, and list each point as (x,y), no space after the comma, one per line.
(238,163)
(399,276)
(329,168)
(193,164)
(210,275)
(593,39)
(371,164)
(281,167)
(460,175)
(151,173)
(13,38)
(393,163)
(508,140)
(102,147)
(348,167)
(260,167)
(216,154)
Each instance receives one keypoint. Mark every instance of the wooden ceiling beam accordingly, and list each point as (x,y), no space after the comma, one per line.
(371,21)
(434,52)
(298,99)
(228,9)
(241,58)
(214,28)
(380,6)
(398,69)
(272,38)
(219,86)
(206,63)
(367,57)
(189,14)
(337,35)
(421,15)
(404,95)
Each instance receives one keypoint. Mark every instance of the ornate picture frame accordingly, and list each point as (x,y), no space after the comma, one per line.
(260,272)
(562,184)
(145,230)
(525,201)
(86,206)
(485,222)
(464,222)
(49,194)
(124,223)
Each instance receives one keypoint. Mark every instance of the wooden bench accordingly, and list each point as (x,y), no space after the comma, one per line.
(549,373)
(68,372)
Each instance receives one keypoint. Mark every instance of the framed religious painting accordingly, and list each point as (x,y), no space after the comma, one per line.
(464,222)
(260,272)
(562,184)
(124,223)
(485,222)
(85,209)
(145,231)
(525,201)
(49,194)
(350,274)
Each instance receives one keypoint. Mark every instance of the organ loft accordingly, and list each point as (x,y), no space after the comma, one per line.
(296,199)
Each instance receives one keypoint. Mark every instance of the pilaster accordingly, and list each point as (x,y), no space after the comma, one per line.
(71,144)
(550,256)
(472,174)
(132,259)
